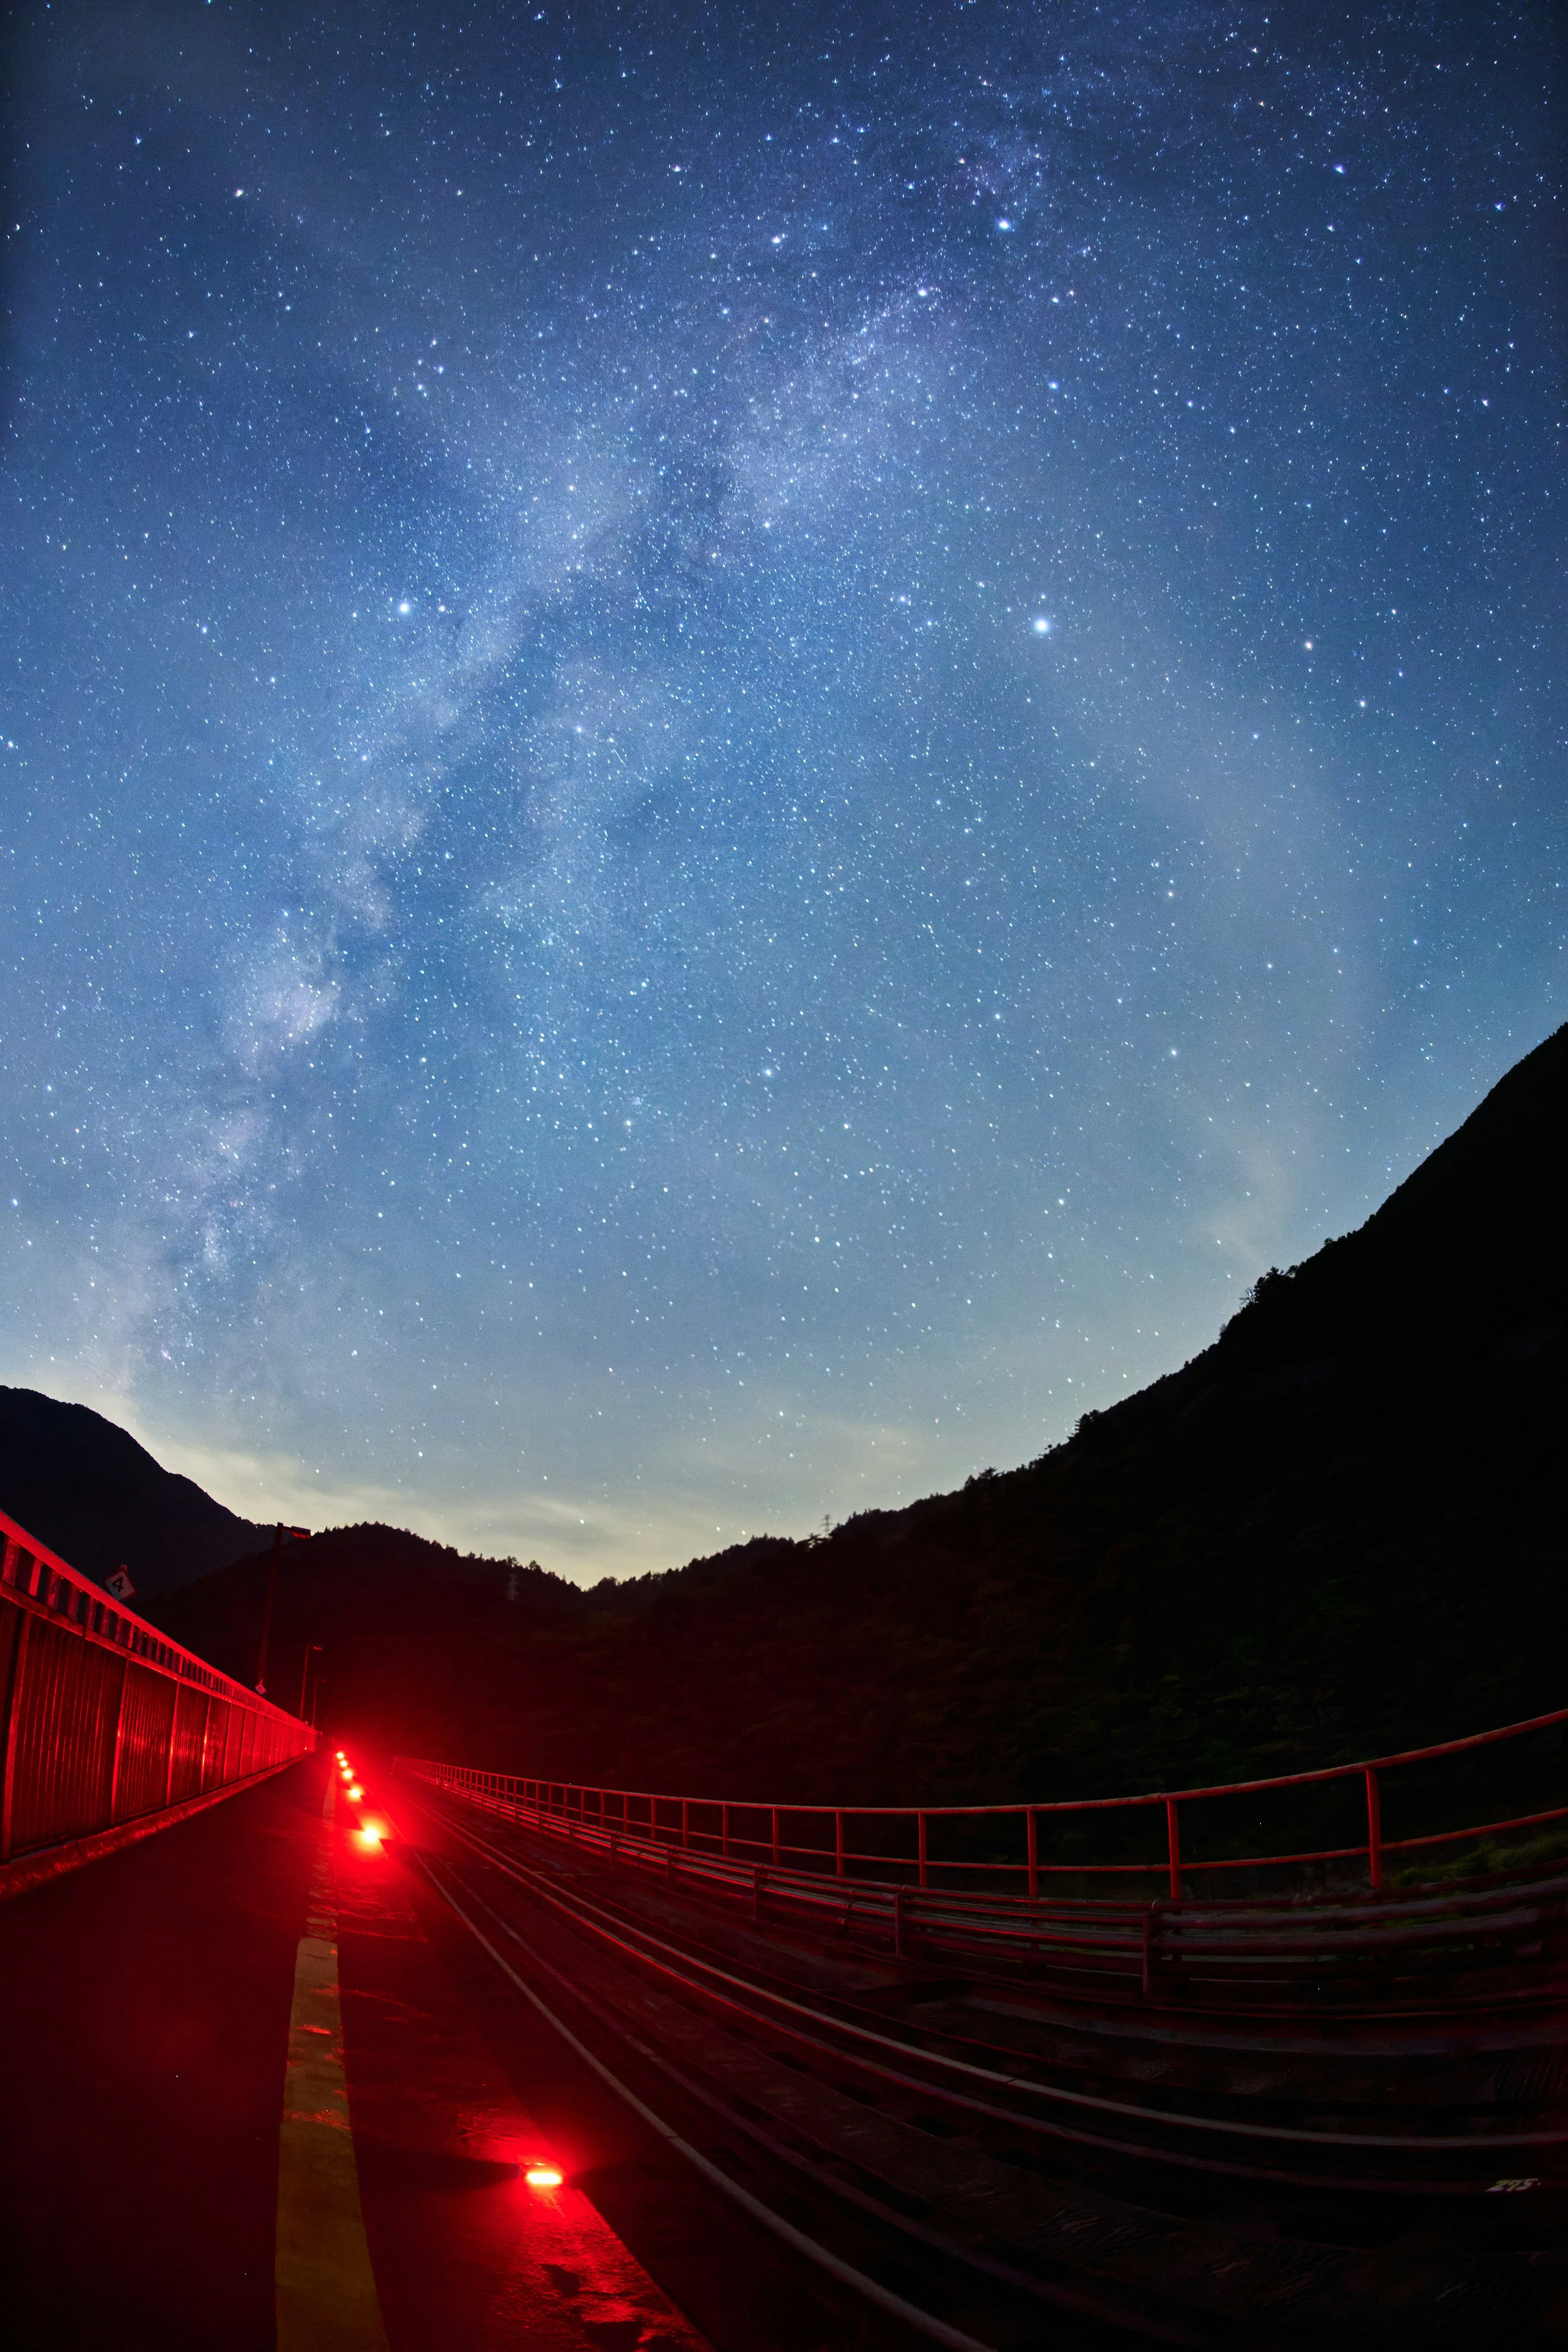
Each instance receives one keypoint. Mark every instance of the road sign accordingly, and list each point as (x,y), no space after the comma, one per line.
(120,1583)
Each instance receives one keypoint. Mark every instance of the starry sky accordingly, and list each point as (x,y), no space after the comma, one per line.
(738,746)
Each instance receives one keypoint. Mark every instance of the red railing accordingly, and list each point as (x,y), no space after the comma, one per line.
(106,1722)
(746,1829)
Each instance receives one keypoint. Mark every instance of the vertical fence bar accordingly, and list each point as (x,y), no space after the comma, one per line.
(1033,1818)
(1173,1848)
(839,1843)
(686,1822)
(925,1868)
(118,1740)
(724,1830)
(775,1812)
(174,1744)
(1374,1830)
(14,1684)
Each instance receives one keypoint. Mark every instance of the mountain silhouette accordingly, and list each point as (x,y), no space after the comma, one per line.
(1338,1530)
(84,1487)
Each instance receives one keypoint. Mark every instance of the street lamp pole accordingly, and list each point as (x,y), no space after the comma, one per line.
(312,1650)
(279,1532)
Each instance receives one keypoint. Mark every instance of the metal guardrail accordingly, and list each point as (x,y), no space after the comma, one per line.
(105,1721)
(1238,1952)
(824,1839)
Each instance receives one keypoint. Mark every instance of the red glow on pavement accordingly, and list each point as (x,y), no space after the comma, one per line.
(544,2175)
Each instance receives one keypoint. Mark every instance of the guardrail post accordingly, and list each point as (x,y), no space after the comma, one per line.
(757,1878)
(1033,1820)
(1173,1845)
(1374,1830)
(924,1874)
(838,1844)
(1151,1948)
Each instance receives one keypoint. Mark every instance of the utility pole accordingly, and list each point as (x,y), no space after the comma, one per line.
(312,1650)
(300,1535)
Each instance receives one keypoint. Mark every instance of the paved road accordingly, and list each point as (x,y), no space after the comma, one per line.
(182,2020)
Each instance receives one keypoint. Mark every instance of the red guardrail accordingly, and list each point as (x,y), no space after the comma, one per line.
(748,1830)
(106,1721)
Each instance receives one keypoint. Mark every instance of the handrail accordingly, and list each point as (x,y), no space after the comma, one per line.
(574,1798)
(109,1730)
(31,1569)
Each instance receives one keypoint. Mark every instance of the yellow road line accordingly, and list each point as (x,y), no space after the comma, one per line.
(326,2289)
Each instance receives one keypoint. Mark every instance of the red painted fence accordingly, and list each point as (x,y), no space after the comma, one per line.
(107,1725)
(1010,1844)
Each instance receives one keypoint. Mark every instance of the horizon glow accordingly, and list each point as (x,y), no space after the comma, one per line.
(738,754)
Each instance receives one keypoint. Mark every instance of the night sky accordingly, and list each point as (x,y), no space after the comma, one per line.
(738,748)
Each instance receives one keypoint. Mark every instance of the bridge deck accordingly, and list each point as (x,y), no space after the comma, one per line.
(145,2034)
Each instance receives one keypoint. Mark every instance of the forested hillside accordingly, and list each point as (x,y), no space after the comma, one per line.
(1340,1529)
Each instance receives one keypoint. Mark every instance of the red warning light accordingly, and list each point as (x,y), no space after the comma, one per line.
(544,2175)
(370,1835)
(355,1793)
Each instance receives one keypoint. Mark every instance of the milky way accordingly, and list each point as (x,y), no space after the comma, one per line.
(739,749)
